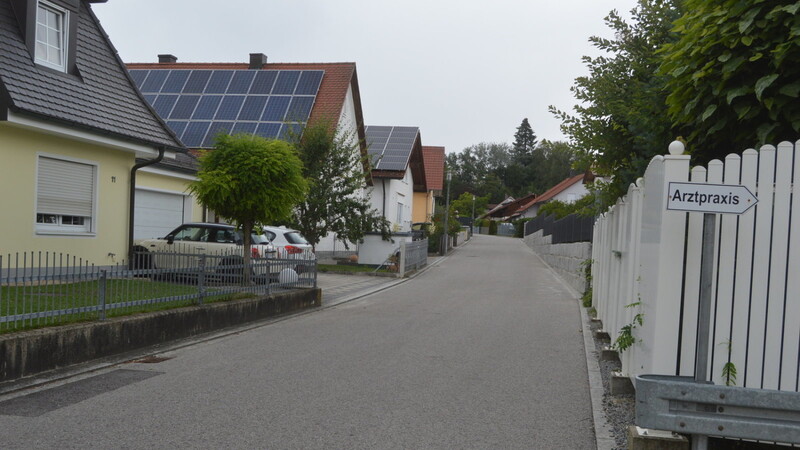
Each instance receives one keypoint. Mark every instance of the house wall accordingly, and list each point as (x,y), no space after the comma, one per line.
(423,207)
(19,150)
(397,191)
(572,193)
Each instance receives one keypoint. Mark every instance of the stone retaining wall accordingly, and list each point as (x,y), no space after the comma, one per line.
(565,259)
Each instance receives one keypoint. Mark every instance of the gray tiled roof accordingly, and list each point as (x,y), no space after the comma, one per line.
(102,99)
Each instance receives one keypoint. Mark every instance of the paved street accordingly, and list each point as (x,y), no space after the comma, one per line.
(483,350)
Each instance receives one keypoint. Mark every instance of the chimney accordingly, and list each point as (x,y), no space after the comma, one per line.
(167,59)
(257,60)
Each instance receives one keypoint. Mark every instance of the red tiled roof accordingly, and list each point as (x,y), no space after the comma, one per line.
(433,158)
(557,189)
(511,208)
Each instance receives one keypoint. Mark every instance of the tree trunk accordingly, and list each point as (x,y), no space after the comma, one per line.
(247,231)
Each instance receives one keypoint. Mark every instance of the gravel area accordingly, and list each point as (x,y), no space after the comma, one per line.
(619,409)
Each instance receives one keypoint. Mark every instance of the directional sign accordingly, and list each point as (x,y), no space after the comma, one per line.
(710,198)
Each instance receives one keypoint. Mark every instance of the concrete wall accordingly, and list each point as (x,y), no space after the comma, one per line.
(565,259)
(32,352)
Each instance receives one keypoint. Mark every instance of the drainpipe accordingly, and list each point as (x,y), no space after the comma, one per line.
(132,200)
(383,182)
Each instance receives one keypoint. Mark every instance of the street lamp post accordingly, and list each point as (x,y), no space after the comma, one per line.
(472,222)
(446,216)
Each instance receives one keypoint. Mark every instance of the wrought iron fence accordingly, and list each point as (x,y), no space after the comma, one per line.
(43,288)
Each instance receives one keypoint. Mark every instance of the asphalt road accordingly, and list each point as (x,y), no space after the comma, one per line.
(483,350)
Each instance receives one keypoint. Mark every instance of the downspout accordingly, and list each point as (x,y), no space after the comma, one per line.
(383,182)
(132,200)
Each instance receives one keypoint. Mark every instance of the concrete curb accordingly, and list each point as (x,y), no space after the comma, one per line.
(602,430)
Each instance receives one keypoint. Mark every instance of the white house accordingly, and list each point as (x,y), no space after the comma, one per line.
(398,172)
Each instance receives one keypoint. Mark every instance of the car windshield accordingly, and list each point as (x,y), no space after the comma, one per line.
(295,237)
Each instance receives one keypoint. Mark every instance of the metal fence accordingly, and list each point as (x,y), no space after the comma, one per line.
(572,228)
(42,288)
(414,255)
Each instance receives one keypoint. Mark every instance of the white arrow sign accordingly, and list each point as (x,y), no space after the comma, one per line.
(710,198)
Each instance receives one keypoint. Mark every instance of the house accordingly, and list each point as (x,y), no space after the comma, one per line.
(509,208)
(567,191)
(424,202)
(397,173)
(72,127)
(273,100)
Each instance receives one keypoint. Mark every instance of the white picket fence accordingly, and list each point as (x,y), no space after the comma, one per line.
(648,258)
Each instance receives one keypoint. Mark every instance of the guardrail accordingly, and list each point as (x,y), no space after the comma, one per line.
(42,289)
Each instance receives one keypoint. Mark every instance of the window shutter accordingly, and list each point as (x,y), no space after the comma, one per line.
(65,188)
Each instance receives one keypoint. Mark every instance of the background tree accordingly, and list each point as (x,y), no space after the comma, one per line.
(464,204)
(333,167)
(248,179)
(733,74)
(524,143)
(621,121)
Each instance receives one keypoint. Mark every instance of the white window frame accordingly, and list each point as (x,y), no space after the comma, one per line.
(63,35)
(59,224)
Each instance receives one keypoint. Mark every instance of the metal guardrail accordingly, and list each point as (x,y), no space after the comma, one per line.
(40,289)
(682,405)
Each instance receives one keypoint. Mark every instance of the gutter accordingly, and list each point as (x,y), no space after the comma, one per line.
(132,200)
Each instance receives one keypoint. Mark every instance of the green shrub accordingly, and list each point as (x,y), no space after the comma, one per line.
(492,228)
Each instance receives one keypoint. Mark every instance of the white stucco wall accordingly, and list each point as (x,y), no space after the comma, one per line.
(397,192)
(572,193)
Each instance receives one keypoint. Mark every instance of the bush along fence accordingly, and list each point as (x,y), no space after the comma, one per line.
(41,289)
(646,273)
(571,228)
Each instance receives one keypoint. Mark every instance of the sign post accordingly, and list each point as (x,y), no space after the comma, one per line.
(710,199)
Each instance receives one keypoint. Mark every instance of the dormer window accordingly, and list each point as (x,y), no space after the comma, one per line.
(51,36)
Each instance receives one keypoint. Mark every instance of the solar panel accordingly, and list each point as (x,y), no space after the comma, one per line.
(262,85)
(184,107)
(269,103)
(207,108)
(241,81)
(299,109)
(138,77)
(244,127)
(391,147)
(197,82)
(253,107)
(215,129)
(286,82)
(276,109)
(290,131)
(178,127)
(268,130)
(195,133)
(175,81)
(219,82)
(309,82)
(155,79)
(164,103)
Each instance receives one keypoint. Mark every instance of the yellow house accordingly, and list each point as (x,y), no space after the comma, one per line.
(433,161)
(75,134)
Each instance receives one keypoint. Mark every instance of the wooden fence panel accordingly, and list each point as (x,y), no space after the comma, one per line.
(790,345)
(759,283)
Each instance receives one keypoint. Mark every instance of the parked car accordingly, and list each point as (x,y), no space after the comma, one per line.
(221,242)
(289,243)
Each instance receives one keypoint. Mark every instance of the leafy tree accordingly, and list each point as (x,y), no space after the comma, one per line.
(734,78)
(249,180)
(464,204)
(334,170)
(621,121)
(524,143)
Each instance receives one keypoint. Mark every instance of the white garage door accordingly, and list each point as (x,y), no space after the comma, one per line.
(157,213)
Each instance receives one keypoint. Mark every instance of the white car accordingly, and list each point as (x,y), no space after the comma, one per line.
(289,243)
(221,243)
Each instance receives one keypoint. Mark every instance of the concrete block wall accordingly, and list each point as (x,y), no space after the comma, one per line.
(565,259)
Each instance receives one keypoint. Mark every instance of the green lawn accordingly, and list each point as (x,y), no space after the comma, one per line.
(54,297)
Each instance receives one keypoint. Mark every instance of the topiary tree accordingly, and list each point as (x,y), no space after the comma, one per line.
(249,180)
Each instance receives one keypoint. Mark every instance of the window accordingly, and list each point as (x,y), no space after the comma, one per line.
(51,36)
(65,196)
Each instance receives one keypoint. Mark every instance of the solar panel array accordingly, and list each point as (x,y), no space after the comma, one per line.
(390,147)
(198,104)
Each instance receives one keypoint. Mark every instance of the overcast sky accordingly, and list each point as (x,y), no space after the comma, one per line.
(463,71)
